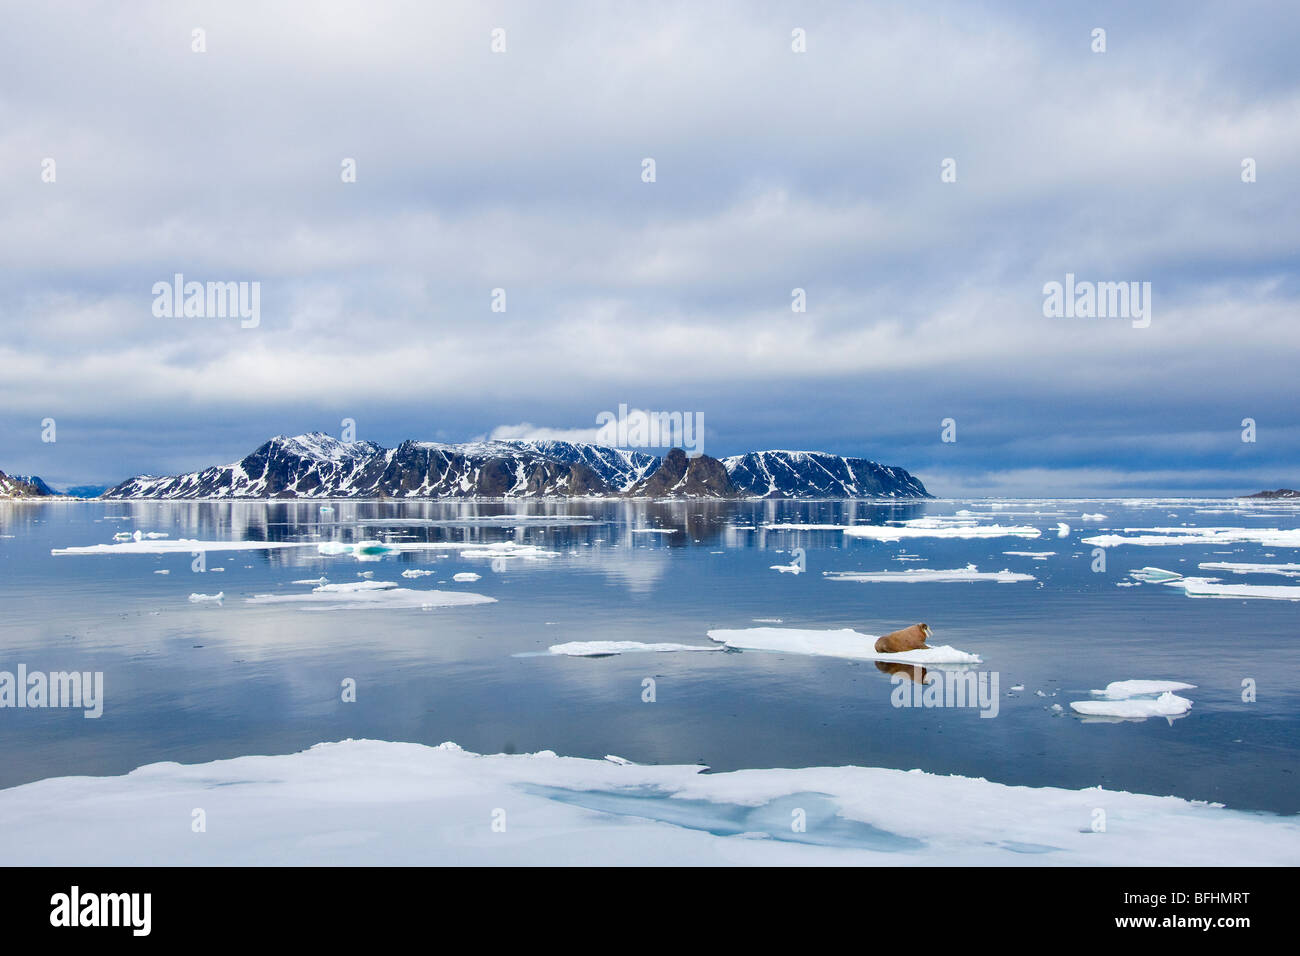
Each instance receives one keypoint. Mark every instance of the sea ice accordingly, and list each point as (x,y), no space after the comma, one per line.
(1124,689)
(466,576)
(1158,537)
(208,598)
(845,643)
(367,802)
(929,575)
(1166,705)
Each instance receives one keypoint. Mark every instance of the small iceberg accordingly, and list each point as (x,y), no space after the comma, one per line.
(1166,705)
(1125,689)
(929,575)
(466,576)
(845,643)
(208,598)
(1155,575)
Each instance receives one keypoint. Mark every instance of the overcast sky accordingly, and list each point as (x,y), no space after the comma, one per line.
(775,170)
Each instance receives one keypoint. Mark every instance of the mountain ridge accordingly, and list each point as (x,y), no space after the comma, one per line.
(316,465)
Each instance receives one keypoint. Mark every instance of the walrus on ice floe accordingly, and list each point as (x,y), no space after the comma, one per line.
(908,639)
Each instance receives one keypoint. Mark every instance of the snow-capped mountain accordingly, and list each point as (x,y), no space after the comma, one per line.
(319,466)
(815,474)
(17,486)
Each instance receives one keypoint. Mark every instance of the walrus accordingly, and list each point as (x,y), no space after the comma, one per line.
(908,639)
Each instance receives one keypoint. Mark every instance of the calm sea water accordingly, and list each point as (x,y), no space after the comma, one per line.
(189,683)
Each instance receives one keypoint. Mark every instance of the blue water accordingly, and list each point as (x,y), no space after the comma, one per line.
(192,683)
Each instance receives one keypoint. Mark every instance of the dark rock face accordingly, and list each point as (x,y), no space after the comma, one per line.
(42,489)
(1280,493)
(815,474)
(682,477)
(318,466)
(18,487)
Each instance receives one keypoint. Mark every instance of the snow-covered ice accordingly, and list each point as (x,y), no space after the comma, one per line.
(366,802)
(1243,567)
(845,643)
(466,576)
(372,594)
(1124,689)
(1166,705)
(1159,537)
(929,575)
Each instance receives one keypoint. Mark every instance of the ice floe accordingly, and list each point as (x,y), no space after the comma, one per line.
(1124,689)
(1155,575)
(1242,567)
(372,594)
(367,802)
(1212,588)
(845,643)
(1166,705)
(1159,537)
(939,528)
(929,575)
(609,648)
(415,573)
(208,598)
(466,576)
(185,545)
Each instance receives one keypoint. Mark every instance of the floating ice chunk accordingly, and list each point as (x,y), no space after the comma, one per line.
(929,575)
(607,648)
(1036,555)
(372,594)
(320,580)
(414,803)
(1093,517)
(1166,705)
(1018,687)
(466,576)
(208,598)
(1124,689)
(508,549)
(787,568)
(1241,567)
(1155,575)
(162,571)
(935,528)
(352,586)
(653,530)
(415,573)
(1211,588)
(1062,530)
(365,574)
(178,545)
(1158,537)
(844,643)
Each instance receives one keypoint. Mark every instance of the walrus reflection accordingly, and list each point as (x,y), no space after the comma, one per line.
(914,671)
(908,639)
